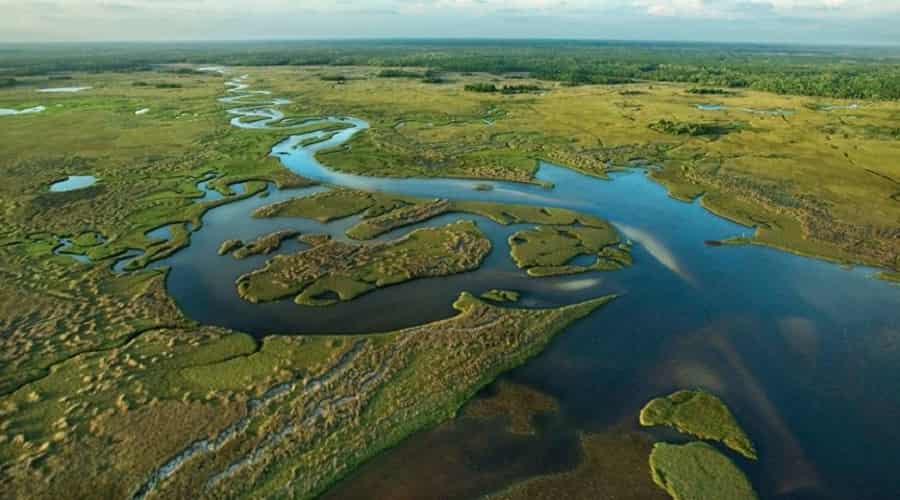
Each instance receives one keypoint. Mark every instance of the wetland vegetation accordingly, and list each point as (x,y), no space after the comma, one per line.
(550,250)
(501,295)
(699,414)
(104,376)
(758,171)
(618,454)
(383,212)
(697,470)
(837,72)
(335,271)
(263,245)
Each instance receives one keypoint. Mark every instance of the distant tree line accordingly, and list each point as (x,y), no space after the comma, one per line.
(399,73)
(481,87)
(429,76)
(708,91)
(506,89)
(690,128)
(158,85)
(843,72)
(433,76)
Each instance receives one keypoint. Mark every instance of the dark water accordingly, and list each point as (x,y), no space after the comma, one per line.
(806,353)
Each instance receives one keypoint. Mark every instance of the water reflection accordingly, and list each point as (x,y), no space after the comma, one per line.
(658,250)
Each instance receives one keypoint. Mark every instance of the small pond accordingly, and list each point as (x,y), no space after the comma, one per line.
(72,183)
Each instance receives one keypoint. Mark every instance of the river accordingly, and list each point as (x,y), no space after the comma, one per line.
(805,352)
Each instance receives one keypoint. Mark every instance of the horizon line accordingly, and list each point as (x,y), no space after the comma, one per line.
(149,41)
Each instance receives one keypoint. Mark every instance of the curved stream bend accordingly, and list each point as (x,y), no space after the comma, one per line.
(669,237)
(784,319)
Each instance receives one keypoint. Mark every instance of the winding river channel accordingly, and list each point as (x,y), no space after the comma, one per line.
(806,352)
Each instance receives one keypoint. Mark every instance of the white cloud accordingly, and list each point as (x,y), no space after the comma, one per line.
(40,20)
(750,9)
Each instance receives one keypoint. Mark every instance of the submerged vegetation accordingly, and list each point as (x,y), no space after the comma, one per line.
(518,403)
(613,465)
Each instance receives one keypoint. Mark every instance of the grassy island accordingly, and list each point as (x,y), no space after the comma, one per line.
(501,295)
(335,204)
(263,245)
(548,250)
(229,246)
(699,414)
(889,276)
(697,471)
(336,271)
(383,212)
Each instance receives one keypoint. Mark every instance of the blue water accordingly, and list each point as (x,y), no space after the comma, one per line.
(769,112)
(64,248)
(73,182)
(163,233)
(805,352)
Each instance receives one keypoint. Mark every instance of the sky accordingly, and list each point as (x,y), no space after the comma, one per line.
(771,21)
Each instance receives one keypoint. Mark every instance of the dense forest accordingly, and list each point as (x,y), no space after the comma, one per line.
(506,89)
(840,72)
